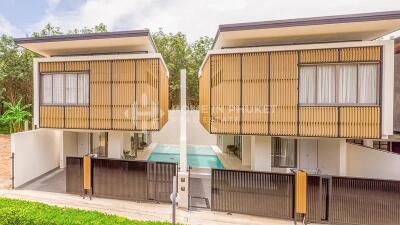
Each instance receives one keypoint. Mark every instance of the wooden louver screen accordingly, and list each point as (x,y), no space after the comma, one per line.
(123,95)
(242,85)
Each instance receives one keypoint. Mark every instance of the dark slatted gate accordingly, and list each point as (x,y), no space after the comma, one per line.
(160,178)
(123,179)
(74,179)
(318,198)
(255,193)
(365,201)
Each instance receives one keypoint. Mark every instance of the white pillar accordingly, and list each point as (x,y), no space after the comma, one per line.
(62,146)
(261,153)
(246,150)
(183,176)
(115,144)
(342,157)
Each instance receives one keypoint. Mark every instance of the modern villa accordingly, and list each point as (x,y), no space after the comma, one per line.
(297,117)
(103,92)
(314,94)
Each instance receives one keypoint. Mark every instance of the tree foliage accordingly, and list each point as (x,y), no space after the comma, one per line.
(179,54)
(15,115)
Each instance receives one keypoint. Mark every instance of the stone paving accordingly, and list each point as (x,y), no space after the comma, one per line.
(5,161)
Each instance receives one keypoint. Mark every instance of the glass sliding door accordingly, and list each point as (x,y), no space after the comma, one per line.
(99,144)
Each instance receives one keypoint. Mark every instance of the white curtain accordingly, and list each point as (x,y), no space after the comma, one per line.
(307,84)
(83,89)
(71,89)
(58,88)
(326,84)
(367,83)
(347,82)
(46,87)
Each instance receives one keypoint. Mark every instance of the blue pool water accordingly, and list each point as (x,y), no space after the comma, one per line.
(198,156)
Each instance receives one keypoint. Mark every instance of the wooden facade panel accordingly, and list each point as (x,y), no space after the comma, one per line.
(242,85)
(51,116)
(318,121)
(319,56)
(123,94)
(361,54)
(225,92)
(164,96)
(147,94)
(100,94)
(255,72)
(51,67)
(113,96)
(204,96)
(77,66)
(283,78)
(77,117)
(360,122)
(123,117)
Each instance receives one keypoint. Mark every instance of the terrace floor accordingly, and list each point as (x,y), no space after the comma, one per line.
(140,211)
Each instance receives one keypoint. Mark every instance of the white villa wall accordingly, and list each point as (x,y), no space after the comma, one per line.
(246,150)
(367,162)
(83,144)
(328,156)
(196,134)
(70,147)
(36,152)
(261,153)
(115,144)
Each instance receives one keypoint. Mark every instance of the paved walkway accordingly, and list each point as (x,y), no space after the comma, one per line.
(140,211)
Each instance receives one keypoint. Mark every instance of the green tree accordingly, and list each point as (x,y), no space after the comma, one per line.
(179,54)
(15,115)
(15,71)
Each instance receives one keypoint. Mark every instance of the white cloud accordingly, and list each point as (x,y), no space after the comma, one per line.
(196,18)
(7,28)
(52,4)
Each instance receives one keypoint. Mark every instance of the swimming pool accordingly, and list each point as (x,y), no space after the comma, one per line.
(198,156)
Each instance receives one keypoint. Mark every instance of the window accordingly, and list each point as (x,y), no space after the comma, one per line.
(284,152)
(339,84)
(355,141)
(75,87)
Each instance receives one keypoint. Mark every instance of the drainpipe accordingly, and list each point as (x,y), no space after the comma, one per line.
(183,175)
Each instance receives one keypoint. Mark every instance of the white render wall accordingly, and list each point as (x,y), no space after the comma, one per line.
(36,152)
(115,144)
(70,147)
(196,134)
(367,162)
(261,153)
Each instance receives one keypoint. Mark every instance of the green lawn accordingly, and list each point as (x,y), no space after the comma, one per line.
(17,212)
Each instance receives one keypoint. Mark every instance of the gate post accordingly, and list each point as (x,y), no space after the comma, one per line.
(87,176)
(300,195)
(183,175)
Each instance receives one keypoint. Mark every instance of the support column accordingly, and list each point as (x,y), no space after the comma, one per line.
(115,145)
(261,153)
(342,157)
(246,150)
(183,175)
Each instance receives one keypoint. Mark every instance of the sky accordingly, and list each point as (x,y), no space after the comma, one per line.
(195,18)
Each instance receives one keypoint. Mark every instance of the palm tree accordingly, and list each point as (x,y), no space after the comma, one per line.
(15,115)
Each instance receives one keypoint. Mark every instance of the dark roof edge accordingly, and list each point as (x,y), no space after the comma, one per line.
(73,37)
(397,45)
(349,18)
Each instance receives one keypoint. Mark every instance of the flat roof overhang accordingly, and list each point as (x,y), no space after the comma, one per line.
(135,41)
(354,27)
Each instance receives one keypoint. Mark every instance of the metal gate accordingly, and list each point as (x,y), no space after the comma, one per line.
(318,198)
(123,179)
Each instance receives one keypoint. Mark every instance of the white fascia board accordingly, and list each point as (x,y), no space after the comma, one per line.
(293,48)
(387,87)
(102,57)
